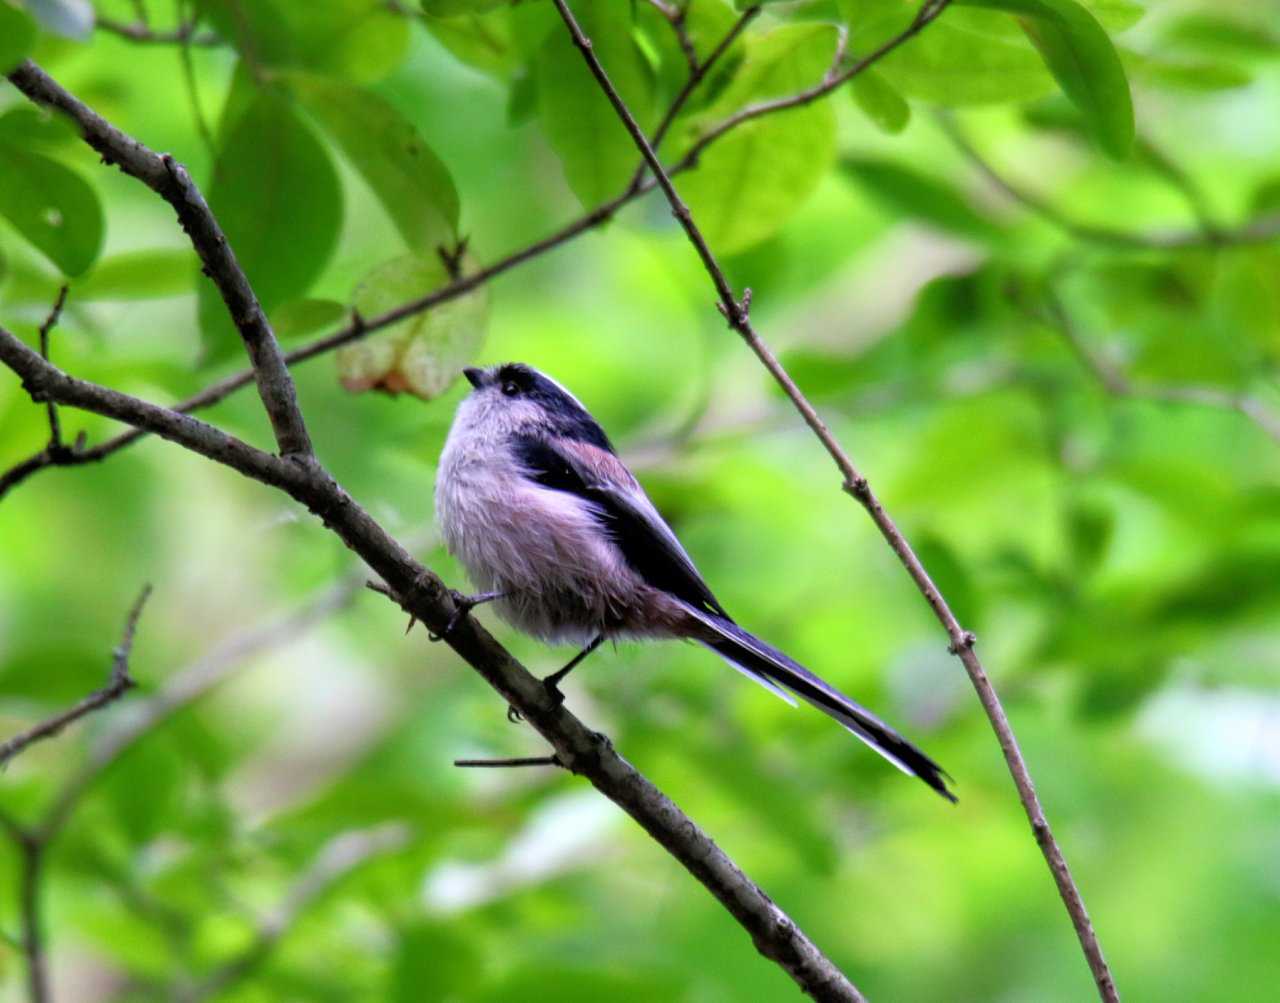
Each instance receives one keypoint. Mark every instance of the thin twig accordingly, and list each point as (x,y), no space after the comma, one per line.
(337,858)
(737,312)
(697,74)
(674,14)
(50,322)
(119,683)
(514,761)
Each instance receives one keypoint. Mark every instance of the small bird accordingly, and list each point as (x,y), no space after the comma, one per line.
(557,533)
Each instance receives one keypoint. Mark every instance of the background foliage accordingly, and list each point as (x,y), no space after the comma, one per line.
(1069,405)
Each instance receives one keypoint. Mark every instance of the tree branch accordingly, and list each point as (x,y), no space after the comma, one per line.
(425,596)
(737,312)
(170,180)
(118,684)
(183,34)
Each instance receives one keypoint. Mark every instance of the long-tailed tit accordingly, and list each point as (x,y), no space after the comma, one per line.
(555,530)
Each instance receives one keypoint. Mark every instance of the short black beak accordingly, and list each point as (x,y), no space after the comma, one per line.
(474,376)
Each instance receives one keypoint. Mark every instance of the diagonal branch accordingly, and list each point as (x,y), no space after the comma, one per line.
(170,180)
(118,684)
(422,594)
(962,641)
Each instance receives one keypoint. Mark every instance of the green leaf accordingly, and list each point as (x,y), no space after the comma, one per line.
(361,40)
(749,183)
(913,193)
(138,275)
(433,961)
(966,57)
(410,181)
(595,149)
(456,8)
(1186,75)
(1083,61)
(424,354)
(880,101)
(1225,33)
(52,206)
(299,317)
(277,197)
(17,35)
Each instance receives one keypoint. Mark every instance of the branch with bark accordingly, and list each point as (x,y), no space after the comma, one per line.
(737,312)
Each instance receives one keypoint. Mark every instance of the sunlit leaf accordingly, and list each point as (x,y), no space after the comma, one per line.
(304,316)
(52,207)
(880,101)
(424,354)
(361,40)
(138,275)
(412,183)
(1083,61)
(749,183)
(277,197)
(595,149)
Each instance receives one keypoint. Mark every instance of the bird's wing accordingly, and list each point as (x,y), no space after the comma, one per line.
(646,541)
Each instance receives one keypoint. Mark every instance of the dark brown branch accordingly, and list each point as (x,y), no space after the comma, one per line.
(170,180)
(1118,384)
(737,312)
(675,16)
(1262,230)
(118,684)
(337,858)
(50,322)
(423,595)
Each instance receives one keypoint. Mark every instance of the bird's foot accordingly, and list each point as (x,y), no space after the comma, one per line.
(553,691)
(463,604)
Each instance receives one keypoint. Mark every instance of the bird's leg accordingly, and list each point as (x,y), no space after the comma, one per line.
(552,682)
(464,604)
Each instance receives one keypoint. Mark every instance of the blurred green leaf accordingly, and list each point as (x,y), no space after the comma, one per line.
(880,102)
(1082,60)
(51,206)
(305,316)
(17,35)
(911,193)
(1235,32)
(1090,526)
(595,149)
(433,962)
(952,578)
(1186,75)
(412,183)
(138,275)
(424,354)
(454,8)
(360,40)
(277,197)
(749,183)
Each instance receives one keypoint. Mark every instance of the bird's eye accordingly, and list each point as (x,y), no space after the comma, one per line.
(510,388)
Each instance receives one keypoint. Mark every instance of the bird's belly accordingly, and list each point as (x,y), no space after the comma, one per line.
(563,579)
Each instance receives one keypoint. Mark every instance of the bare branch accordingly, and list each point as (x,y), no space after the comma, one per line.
(675,15)
(170,180)
(336,860)
(737,312)
(422,594)
(117,685)
(50,322)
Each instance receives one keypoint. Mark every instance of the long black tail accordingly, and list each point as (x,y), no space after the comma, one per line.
(771,667)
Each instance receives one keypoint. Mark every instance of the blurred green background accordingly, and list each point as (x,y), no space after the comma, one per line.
(1117,553)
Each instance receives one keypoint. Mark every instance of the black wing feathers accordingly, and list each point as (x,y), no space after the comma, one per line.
(649,555)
